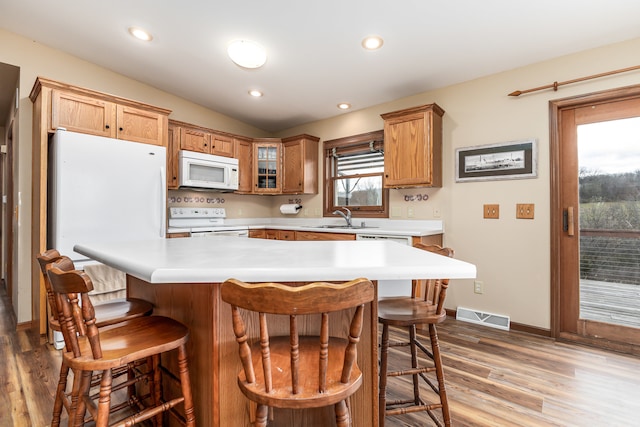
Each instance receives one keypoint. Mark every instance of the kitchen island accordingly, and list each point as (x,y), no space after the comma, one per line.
(181,277)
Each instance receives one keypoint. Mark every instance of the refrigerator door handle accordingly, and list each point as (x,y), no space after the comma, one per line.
(163,202)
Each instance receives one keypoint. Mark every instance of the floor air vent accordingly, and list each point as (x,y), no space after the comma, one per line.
(482,318)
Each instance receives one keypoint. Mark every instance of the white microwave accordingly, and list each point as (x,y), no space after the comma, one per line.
(207,171)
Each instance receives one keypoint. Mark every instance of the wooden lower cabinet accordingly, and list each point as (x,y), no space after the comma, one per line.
(298,235)
(287,235)
(257,234)
(318,235)
(273,234)
(434,239)
(264,233)
(214,363)
(176,235)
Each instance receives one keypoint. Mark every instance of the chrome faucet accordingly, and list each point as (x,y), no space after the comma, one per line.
(347,216)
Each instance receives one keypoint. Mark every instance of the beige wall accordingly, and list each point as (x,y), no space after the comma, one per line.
(512,255)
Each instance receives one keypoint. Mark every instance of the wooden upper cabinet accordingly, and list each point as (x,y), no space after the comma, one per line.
(222,145)
(173,144)
(139,125)
(194,139)
(78,113)
(413,147)
(300,165)
(77,109)
(203,140)
(267,161)
(96,116)
(244,152)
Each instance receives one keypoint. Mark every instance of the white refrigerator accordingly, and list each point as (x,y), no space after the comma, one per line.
(103,189)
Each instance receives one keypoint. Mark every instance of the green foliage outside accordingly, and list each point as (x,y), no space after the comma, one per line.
(610,202)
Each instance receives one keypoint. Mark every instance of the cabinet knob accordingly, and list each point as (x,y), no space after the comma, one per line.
(106,126)
(120,129)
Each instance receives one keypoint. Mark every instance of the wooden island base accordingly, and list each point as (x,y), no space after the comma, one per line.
(214,362)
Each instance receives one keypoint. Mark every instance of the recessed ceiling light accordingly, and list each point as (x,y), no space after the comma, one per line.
(344,106)
(255,93)
(372,42)
(247,54)
(140,34)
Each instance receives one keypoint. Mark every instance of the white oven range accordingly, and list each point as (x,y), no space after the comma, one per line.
(203,222)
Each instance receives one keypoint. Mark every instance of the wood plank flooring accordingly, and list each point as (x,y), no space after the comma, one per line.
(494,378)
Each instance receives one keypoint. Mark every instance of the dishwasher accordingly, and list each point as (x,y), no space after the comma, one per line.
(390,288)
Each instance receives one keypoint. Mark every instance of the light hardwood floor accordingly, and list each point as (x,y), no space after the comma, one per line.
(494,378)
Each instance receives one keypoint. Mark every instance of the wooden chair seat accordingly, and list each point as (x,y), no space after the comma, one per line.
(298,371)
(112,349)
(309,392)
(128,342)
(425,306)
(403,311)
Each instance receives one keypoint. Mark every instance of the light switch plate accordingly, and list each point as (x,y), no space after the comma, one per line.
(491,211)
(524,210)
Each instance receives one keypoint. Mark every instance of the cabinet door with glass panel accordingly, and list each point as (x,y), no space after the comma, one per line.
(267,171)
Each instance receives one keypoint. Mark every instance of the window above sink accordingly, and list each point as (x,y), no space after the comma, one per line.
(354,176)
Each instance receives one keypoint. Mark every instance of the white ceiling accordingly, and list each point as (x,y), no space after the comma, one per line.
(315,59)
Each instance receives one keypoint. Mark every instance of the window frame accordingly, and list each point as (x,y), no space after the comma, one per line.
(354,144)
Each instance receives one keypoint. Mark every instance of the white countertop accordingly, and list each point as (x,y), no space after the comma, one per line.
(215,259)
(374,226)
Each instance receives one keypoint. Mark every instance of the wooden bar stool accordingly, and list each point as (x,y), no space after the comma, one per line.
(408,312)
(108,313)
(297,371)
(115,347)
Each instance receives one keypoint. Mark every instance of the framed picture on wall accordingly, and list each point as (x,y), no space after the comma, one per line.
(507,160)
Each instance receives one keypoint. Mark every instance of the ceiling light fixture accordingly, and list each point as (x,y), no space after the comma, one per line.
(255,93)
(247,54)
(140,34)
(344,106)
(372,42)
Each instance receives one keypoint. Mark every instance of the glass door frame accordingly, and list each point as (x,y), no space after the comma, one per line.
(565,310)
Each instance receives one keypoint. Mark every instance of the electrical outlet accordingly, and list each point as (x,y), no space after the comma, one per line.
(524,210)
(491,211)
(436,213)
(410,213)
(478,286)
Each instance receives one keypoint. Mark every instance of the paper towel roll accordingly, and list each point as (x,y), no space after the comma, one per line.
(290,209)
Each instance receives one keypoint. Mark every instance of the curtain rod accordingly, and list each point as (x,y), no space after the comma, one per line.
(555,85)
